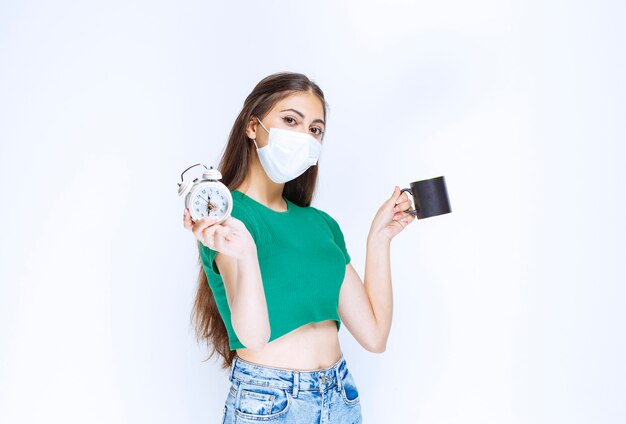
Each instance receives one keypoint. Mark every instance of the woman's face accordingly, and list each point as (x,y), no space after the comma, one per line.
(301,111)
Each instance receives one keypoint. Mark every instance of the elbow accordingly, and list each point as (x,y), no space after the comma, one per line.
(253,337)
(256,347)
(379,349)
(256,343)
(377,346)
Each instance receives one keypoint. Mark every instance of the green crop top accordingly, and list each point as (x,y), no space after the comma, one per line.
(302,257)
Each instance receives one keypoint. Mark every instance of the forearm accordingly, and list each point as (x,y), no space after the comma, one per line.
(377,282)
(249,314)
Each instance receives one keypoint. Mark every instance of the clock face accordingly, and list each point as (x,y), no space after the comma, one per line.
(210,199)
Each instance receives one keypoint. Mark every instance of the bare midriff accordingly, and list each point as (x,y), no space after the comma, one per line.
(309,347)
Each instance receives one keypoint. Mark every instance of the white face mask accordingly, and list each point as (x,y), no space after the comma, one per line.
(287,154)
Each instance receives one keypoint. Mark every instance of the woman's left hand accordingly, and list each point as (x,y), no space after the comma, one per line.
(391,218)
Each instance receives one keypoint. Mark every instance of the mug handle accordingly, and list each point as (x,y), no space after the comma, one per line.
(411,211)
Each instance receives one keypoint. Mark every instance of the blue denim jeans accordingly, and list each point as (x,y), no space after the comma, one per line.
(259,393)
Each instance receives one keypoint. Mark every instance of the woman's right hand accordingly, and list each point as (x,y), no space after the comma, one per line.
(230,237)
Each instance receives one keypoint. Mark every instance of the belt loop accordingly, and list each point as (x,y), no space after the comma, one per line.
(232,368)
(296,383)
(339,382)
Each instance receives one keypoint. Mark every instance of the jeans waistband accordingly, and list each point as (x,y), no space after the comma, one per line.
(288,379)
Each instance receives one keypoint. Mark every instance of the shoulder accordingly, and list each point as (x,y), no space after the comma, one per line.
(246,214)
(318,212)
(327,217)
(335,230)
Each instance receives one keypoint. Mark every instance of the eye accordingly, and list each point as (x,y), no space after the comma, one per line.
(289,120)
(317,131)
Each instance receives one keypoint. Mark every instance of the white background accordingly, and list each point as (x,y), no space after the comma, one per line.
(509,310)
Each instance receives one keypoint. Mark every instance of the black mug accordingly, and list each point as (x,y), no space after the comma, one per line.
(430,197)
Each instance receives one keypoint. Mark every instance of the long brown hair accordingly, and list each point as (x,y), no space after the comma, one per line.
(234,167)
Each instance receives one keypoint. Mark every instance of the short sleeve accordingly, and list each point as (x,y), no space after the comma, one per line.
(337,234)
(207,256)
(242,213)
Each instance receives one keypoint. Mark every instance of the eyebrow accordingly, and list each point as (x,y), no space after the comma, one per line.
(302,116)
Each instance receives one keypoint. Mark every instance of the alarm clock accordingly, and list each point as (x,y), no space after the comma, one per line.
(206,196)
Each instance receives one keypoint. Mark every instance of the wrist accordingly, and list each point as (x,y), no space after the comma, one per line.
(378,240)
(249,253)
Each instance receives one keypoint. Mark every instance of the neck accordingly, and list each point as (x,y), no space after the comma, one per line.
(258,186)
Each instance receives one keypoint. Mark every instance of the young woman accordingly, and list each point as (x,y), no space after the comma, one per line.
(276,280)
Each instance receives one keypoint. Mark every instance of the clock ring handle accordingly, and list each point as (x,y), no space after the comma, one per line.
(181,175)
